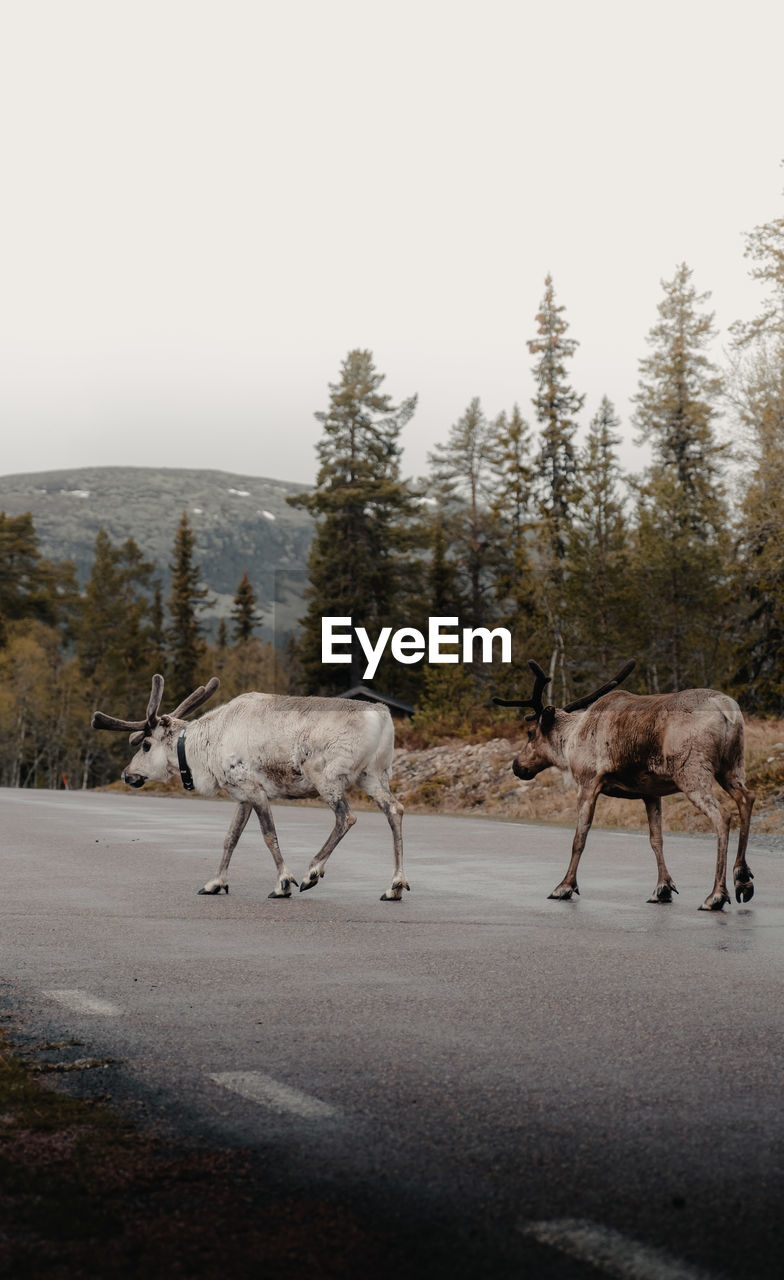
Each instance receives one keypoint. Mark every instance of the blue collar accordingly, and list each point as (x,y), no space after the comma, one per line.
(185,773)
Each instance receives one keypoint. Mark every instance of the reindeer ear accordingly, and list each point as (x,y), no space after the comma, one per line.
(547,719)
(165,721)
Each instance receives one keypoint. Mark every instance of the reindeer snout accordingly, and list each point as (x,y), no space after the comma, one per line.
(133,779)
(520,772)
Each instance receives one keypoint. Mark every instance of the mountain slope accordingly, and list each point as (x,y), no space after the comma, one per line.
(240,522)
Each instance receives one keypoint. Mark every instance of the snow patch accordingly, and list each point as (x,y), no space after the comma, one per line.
(240,493)
(268,515)
(76,493)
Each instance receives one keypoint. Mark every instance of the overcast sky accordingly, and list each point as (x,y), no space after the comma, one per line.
(208,204)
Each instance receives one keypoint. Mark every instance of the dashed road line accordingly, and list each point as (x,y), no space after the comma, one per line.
(609,1251)
(83,1002)
(268,1092)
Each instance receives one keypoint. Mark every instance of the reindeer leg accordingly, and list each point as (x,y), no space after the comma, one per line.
(586,804)
(344,821)
(238,824)
(377,787)
(741,872)
(666,885)
(285,879)
(699,789)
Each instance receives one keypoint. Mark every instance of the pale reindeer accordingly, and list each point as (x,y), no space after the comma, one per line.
(637,747)
(260,747)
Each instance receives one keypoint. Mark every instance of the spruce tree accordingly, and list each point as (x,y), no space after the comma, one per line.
(112,634)
(597,550)
(765,248)
(679,388)
(458,482)
(757,397)
(443,595)
(185,634)
(157,634)
(30,586)
(113,628)
(682,518)
(244,616)
(513,511)
(360,560)
(557,405)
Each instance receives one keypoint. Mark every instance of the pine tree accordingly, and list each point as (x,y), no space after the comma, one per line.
(244,616)
(682,519)
(185,634)
(360,562)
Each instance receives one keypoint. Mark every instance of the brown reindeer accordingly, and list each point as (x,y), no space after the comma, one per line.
(616,743)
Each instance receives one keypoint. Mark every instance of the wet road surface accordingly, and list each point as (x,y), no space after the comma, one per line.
(512,1086)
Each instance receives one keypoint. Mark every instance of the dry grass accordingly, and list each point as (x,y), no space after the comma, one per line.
(476,777)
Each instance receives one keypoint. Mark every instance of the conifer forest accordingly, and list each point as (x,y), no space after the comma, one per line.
(525,521)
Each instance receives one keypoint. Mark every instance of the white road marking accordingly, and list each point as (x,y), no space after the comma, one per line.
(609,1251)
(271,1093)
(83,1002)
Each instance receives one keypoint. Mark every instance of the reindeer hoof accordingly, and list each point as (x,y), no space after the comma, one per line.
(308,884)
(744,889)
(563,892)
(216,888)
(285,888)
(715,902)
(663,893)
(395,892)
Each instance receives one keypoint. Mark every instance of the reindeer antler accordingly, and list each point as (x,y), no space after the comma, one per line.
(196,698)
(156,698)
(101,721)
(590,698)
(541,682)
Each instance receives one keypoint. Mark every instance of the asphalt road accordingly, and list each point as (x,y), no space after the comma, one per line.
(513,1086)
